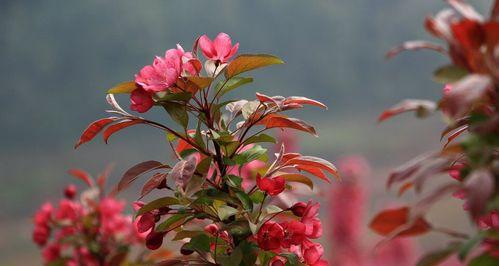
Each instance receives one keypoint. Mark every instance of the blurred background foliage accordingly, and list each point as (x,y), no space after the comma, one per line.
(57,58)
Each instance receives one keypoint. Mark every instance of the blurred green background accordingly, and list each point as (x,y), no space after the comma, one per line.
(57,58)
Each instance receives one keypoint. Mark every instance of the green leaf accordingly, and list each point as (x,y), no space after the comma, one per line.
(436,257)
(234,181)
(179,96)
(257,197)
(201,243)
(204,166)
(225,212)
(158,203)
(178,113)
(186,234)
(198,138)
(231,147)
(247,156)
(194,185)
(272,209)
(231,84)
(248,62)
(449,74)
(245,200)
(260,138)
(234,259)
(171,221)
(125,87)
(484,260)
(470,244)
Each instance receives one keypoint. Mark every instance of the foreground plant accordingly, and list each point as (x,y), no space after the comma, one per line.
(88,230)
(223,182)
(470,105)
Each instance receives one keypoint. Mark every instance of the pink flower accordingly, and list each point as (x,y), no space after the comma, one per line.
(220,49)
(68,210)
(272,186)
(313,226)
(43,215)
(278,261)
(309,253)
(141,101)
(165,71)
(294,233)
(270,236)
(51,252)
(41,235)
(491,220)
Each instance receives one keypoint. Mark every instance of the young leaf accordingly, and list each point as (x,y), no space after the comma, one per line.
(449,74)
(311,161)
(388,221)
(156,204)
(415,45)
(93,129)
(131,174)
(82,175)
(249,62)
(479,186)
(303,100)
(422,107)
(249,108)
(183,171)
(125,87)
(119,126)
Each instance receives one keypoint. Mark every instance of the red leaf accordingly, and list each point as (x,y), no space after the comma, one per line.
(439,25)
(303,100)
(388,221)
(422,107)
(275,120)
(133,173)
(152,183)
(93,129)
(82,175)
(313,170)
(310,161)
(117,127)
(415,45)
(455,134)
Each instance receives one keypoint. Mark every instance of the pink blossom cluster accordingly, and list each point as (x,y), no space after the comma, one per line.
(166,72)
(87,232)
(295,236)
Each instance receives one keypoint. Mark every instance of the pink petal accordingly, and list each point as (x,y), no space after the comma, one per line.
(223,45)
(206,46)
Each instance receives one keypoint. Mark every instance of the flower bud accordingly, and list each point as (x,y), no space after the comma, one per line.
(298,208)
(70,191)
